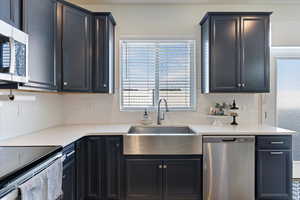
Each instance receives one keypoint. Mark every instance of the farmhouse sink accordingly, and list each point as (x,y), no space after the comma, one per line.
(162,140)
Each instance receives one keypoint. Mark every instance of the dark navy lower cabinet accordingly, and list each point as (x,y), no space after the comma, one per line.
(163,179)
(99,164)
(143,179)
(114,166)
(273,170)
(182,179)
(69,173)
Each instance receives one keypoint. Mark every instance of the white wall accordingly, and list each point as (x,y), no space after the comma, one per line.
(48,110)
(180,19)
(22,117)
(176,21)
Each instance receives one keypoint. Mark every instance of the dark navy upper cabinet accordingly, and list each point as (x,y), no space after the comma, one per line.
(273,168)
(40,24)
(104,56)
(10,12)
(74,56)
(86,47)
(225,53)
(235,52)
(255,50)
(70,48)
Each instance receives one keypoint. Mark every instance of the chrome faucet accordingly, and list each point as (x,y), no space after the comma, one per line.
(159,117)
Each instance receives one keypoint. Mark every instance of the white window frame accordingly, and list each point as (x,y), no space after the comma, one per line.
(193,107)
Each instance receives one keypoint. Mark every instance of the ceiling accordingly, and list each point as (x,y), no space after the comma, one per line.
(83,2)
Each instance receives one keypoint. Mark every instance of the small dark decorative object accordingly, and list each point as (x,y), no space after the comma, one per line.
(234,107)
(234,114)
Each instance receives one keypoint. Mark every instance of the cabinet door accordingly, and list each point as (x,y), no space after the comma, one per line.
(273,175)
(69,180)
(10,12)
(255,53)
(114,163)
(225,56)
(39,23)
(104,55)
(94,168)
(143,179)
(81,168)
(183,179)
(76,51)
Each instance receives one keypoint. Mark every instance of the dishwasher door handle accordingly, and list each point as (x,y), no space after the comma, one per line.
(276,153)
(228,139)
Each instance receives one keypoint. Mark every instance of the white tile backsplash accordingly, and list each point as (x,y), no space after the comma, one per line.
(22,117)
(105,109)
(48,110)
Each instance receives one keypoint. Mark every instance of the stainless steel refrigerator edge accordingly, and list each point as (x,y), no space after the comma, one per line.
(229,167)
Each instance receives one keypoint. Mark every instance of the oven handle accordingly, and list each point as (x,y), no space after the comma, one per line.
(67,155)
(22,179)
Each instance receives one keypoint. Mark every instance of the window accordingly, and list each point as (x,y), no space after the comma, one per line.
(288,94)
(151,70)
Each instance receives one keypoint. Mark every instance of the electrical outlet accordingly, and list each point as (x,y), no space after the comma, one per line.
(19,111)
(266,115)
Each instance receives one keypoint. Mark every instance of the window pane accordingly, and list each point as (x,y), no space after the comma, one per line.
(288,99)
(157,69)
(138,74)
(175,60)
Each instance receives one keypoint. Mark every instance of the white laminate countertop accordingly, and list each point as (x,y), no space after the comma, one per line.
(65,135)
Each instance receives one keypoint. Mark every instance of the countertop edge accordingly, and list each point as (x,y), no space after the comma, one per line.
(71,133)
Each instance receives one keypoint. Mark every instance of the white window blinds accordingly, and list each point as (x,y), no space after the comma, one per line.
(151,70)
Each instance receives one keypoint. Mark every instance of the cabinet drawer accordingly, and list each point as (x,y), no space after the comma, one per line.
(274,142)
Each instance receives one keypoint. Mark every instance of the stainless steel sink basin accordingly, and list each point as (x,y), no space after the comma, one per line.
(162,140)
(161,130)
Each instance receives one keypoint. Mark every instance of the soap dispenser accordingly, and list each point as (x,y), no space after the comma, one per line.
(146,118)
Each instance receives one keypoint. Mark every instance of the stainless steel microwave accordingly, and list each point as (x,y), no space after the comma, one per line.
(13,54)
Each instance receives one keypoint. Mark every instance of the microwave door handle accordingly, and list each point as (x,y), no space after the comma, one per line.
(12,56)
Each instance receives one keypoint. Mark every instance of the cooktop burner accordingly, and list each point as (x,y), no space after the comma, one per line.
(16,159)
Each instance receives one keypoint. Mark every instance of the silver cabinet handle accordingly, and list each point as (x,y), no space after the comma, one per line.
(276,153)
(159,166)
(239,85)
(71,153)
(277,142)
(243,84)
(65,83)
(165,166)
(104,85)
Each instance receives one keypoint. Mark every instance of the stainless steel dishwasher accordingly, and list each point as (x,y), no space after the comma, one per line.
(229,167)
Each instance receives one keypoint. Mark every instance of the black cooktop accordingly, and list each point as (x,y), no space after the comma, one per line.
(16,160)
